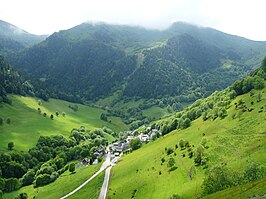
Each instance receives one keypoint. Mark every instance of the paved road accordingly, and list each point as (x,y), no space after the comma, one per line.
(106,163)
(105,183)
(106,179)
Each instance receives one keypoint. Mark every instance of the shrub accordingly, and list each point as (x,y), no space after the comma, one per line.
(42,179)
(169,151)
(8,120)
(171,162)
(72,167)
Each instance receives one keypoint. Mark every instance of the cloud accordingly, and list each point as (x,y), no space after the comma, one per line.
(244,18)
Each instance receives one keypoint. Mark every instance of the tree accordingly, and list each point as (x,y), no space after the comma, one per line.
(263,65)
(103,117)
(254,172)
(171,162)
(11,184)
(10,145)
(184,123)
(198,158)
(22,196)
(218,178)
(42,179)
(2,184)
(72,167)
(135,143)
(8,120)
(169,151)
(182,144)
(28,177)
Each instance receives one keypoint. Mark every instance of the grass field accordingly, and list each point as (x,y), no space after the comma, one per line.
(90,190)
(27,124)
(156,112)
(66,183)
(244,191)
(234,142)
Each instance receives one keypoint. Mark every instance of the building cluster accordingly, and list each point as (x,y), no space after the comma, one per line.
(119,146)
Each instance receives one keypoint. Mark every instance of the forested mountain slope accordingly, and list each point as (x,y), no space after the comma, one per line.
(12,32)
(91,61)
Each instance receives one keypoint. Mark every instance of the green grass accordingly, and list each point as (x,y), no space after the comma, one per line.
(244,191)
(27,124)
(235,142)
(66,183)
(90,190)
(155,112)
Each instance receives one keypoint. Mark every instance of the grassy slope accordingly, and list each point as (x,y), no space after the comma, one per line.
(243,191)
(66,183)
(232,141)
(27,123)
(90,190)
(156,112)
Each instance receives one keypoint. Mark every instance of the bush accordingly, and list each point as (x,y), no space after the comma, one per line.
(42,179)
(254,172)
(135,144)
(28,178)
(218,178)
(54,176)
(10,145)
(171,162)
(72,167)
(22,196)
(169,151)
(11,184)
(8,120)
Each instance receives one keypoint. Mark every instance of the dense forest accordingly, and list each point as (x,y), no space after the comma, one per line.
(90,62)
(14,82)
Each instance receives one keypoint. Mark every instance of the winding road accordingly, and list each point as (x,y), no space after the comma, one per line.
(105,165)
(106,179)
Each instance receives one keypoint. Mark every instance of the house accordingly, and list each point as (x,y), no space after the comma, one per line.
(144,137)
(130,138)
(117,146)
(85,161)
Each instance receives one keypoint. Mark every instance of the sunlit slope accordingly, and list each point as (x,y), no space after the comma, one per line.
(235,141)
(27,124)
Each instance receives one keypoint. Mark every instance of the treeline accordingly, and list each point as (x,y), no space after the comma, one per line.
(14,82)
(220,177)
(45,162)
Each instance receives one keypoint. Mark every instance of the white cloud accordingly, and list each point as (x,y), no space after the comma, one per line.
(240,17)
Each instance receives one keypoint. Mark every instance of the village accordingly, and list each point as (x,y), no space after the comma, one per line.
(118,148)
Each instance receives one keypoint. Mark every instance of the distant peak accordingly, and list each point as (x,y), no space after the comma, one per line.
(95,22)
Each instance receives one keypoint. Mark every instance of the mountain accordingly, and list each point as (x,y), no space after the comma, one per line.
(93,61)
(14,39)
(213,145)
(13,81)
(19,35)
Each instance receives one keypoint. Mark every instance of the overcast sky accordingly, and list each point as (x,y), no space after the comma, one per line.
(240,17)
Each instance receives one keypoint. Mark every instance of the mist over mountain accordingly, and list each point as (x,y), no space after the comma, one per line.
(94,60)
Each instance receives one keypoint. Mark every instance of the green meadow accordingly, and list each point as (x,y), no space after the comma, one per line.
(27,124)
(90,190)
(235,141)
(66,183)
